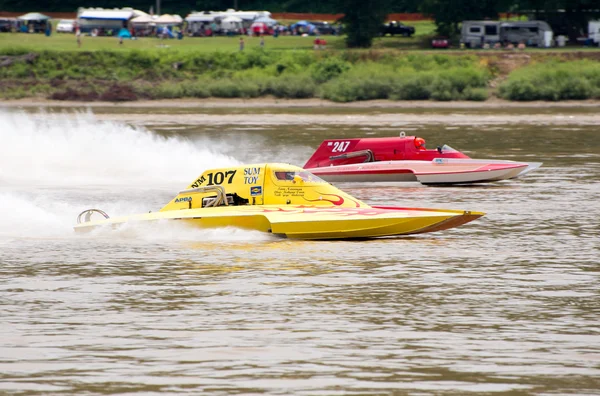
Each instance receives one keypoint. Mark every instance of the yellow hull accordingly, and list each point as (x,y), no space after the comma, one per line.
(286,201)
(301,222)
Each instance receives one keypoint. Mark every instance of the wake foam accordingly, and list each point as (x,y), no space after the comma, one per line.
(59,149)
(53,166)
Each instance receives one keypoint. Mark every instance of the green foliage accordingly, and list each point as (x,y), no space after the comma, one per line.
(328,69)
(413,87)
(292,87)
(234,89)
(475,94)
(343,77)
(553,81)
(363,20)
(369,81)
(293,62)
(167,90)
(448,14)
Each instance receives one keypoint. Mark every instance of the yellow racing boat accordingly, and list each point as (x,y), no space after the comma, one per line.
(287,201)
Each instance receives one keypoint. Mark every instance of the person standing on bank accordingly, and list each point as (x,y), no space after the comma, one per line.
(78,35)
(241,43)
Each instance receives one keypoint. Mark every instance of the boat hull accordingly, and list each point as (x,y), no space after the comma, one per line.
(305,222)
(438,171)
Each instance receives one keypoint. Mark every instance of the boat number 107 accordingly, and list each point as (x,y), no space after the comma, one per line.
(340,147)
(219,177)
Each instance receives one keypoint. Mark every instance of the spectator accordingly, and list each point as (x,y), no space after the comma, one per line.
(323,44)
(78,35)
(317,43)
(262,42)
(241,43)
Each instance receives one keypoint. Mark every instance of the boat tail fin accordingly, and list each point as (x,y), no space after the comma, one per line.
(334,151)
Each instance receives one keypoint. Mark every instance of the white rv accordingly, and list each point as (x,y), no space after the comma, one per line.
(594,31)
(475,34)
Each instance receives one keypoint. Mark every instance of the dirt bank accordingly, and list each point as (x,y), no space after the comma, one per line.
(302,112)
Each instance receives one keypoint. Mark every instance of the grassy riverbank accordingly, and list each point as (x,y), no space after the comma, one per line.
(336,75)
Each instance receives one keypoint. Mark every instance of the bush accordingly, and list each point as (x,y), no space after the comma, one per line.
(476,94)
(553,81)
(196,89)
(167,90)
(413,87)
(234,89)
(328,69)
(298,87)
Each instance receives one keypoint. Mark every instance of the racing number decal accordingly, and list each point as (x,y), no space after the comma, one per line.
(219,177)
(340,147)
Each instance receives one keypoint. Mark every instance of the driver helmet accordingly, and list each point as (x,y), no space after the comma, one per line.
(420,143)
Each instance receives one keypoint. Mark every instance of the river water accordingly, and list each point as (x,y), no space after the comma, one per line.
(506,304)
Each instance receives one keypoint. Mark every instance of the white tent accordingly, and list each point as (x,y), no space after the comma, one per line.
(209,16)
(167,19)
(231,23)
(206,17)
(33,16)
(142,19)
(267,20)
(107,15)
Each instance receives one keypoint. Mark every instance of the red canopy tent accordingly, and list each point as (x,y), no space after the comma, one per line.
(259,28)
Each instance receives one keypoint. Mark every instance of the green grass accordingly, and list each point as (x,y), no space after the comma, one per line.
(67,42)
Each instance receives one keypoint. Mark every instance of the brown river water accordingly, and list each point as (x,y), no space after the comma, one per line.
(508,304)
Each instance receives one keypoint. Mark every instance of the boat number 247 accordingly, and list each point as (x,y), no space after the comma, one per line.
(340,147)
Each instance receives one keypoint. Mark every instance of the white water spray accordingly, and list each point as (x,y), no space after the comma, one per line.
(52,166)
(58,149)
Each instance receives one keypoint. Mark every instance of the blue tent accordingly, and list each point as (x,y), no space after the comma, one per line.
(124,33)
(306,26)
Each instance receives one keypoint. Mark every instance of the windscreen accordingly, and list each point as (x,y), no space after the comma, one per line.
(448,149)
(307,177)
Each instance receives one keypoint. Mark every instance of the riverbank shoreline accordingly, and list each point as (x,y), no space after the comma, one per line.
(277,112)
(266,102)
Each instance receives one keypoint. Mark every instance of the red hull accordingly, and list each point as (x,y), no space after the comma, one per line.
(405,158)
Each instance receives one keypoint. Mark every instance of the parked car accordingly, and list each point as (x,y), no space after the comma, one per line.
(324,28)
(440,42)
(394,27)
(7,24)
(65,26)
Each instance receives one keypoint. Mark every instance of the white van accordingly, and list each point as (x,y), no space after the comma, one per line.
(65,26)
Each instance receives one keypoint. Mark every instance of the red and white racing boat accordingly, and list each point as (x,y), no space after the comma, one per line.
(405,159)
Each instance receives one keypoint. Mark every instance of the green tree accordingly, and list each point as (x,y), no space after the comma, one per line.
(568,17)
(363,20)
